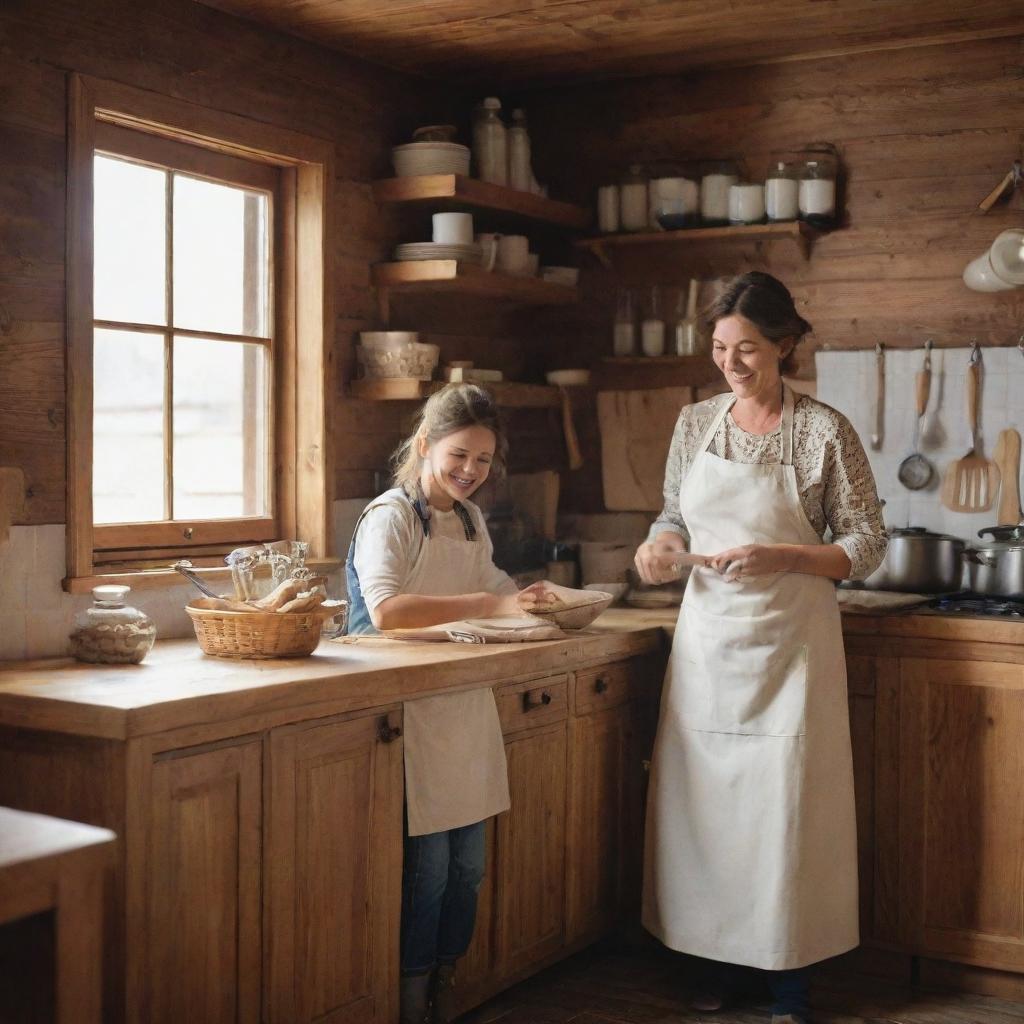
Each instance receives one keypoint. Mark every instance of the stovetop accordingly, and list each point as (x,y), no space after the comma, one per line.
(971,604)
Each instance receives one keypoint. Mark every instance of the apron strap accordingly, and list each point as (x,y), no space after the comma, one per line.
(716,421)
(788,404)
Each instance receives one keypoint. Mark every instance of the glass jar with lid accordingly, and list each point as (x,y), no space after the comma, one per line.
(817,193)
(111,632)
(717,178)
(782,189)
(633,212)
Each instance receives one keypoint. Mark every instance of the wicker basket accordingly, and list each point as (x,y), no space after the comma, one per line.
(258,634)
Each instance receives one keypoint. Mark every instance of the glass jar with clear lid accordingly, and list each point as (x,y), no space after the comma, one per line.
(782,189)
(817,193)
(112,632)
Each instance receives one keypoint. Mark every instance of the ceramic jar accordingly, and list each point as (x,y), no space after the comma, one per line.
(111,632)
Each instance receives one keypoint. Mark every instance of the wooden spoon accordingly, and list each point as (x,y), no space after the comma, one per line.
(1007,457)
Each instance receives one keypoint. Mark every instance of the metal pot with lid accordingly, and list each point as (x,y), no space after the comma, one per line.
(919,562)
(996,569)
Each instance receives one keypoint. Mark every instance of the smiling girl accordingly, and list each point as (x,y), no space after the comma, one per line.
(421,555)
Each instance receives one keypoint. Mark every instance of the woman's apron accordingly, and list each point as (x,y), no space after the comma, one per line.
(455,768)
(751,849)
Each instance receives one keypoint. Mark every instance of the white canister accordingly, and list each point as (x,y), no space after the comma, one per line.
(675,203)
(633,201)
(453,228)
(652,337)
(608,208)
(714,197)
(746,204)
(513,254)
(781,198)
(817,197)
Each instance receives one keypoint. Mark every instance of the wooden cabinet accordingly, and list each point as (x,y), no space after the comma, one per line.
(334,863)
(199,954)
(961,815)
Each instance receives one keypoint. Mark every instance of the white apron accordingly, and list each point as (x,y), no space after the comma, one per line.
(751,847)
(455,768)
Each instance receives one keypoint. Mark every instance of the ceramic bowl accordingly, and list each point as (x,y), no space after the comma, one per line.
(430,158)
(577,608)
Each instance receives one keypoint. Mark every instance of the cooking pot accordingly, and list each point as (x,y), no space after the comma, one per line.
(996,569)
(919,562)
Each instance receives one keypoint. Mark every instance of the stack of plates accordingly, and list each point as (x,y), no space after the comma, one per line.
(439,251)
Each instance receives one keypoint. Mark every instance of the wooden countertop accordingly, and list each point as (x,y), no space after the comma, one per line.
(178,686)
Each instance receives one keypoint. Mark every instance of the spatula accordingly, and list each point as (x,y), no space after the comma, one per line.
(1006,455)
(971,482)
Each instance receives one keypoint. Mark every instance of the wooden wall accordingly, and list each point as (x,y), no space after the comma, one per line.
(924,134)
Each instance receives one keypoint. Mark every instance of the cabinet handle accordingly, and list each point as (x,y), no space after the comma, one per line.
(529,703)
(601,685)
(386,732)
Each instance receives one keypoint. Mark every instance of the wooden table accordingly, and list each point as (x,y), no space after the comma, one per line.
(51,865)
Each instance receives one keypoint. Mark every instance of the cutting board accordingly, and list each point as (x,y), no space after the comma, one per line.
(636,430)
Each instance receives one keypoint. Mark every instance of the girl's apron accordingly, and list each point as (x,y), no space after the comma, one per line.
(751,852)
(455,769)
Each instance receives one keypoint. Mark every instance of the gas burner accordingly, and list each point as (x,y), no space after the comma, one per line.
(989,606)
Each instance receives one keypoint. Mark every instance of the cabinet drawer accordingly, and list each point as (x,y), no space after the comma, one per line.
(605,686)
(537,702)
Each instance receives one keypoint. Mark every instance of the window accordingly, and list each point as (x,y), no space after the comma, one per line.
(197,315)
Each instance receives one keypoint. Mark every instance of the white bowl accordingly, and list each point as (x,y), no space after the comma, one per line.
(567,378)
(417,158)
(388,339)
(417,361)
(560,275)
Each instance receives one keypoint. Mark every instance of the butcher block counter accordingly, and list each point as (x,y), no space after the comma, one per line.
(259,807)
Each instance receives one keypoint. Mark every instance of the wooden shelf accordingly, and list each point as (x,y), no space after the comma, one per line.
(635,373)
(456,191)
(469,279)
(509,394)
(795,230)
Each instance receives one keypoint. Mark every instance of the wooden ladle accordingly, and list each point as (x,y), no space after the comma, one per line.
(1007,457)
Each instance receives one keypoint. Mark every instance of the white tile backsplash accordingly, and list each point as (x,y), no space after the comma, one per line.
(36,614)
(846,381)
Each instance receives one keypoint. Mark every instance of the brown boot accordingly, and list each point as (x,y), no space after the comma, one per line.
(414,999)
(445,995)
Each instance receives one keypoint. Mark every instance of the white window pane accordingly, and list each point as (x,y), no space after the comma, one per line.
(129,244)
(220,429)
(220,258)
(128,427)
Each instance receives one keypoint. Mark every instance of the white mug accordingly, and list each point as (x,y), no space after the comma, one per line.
(514,254)
(453,228)
(488,242)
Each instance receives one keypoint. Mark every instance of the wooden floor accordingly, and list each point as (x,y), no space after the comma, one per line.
(629,988)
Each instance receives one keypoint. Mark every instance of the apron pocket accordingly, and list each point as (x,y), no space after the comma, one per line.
(739,674)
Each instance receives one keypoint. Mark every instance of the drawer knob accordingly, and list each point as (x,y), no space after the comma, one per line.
(386,732)
(601,686)
(529,703)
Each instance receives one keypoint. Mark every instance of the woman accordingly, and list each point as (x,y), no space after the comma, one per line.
(751,839)
(421,555)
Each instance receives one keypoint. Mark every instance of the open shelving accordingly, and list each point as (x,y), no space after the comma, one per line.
(509,394)
(797,231)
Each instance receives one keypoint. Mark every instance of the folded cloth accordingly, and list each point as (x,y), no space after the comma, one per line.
(869,602)
(502,630)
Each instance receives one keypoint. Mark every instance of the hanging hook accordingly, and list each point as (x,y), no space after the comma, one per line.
(975,353)
(928,346)
(1020,344)
(879,348)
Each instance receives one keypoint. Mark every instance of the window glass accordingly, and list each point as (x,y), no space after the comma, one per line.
(220,262)
(129,257)
(220,429)
(128,427)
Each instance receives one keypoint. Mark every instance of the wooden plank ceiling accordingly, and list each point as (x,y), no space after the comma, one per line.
(519,42)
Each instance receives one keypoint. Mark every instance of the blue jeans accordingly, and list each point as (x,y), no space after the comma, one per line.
(441,877)
(789,988)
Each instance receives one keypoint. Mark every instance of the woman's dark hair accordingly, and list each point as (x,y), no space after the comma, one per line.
(454,407)
(764,301)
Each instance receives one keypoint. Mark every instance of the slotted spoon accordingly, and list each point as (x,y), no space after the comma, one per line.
(971,482)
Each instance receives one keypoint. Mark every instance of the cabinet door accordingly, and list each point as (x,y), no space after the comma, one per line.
(334,869)
(531,850)
(962,810)
(598,781)
(201,943)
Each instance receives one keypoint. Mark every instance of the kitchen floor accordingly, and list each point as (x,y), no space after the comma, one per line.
(630,988)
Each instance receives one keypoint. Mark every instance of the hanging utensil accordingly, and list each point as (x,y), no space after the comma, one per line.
(915,470)
(1006,456)
(186,570)
(971,482)
(879,433)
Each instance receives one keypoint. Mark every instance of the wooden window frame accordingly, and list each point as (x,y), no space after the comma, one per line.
(304,318)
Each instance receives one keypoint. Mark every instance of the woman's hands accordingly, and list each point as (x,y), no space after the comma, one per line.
(653,560)
(536,595)
(753,560)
